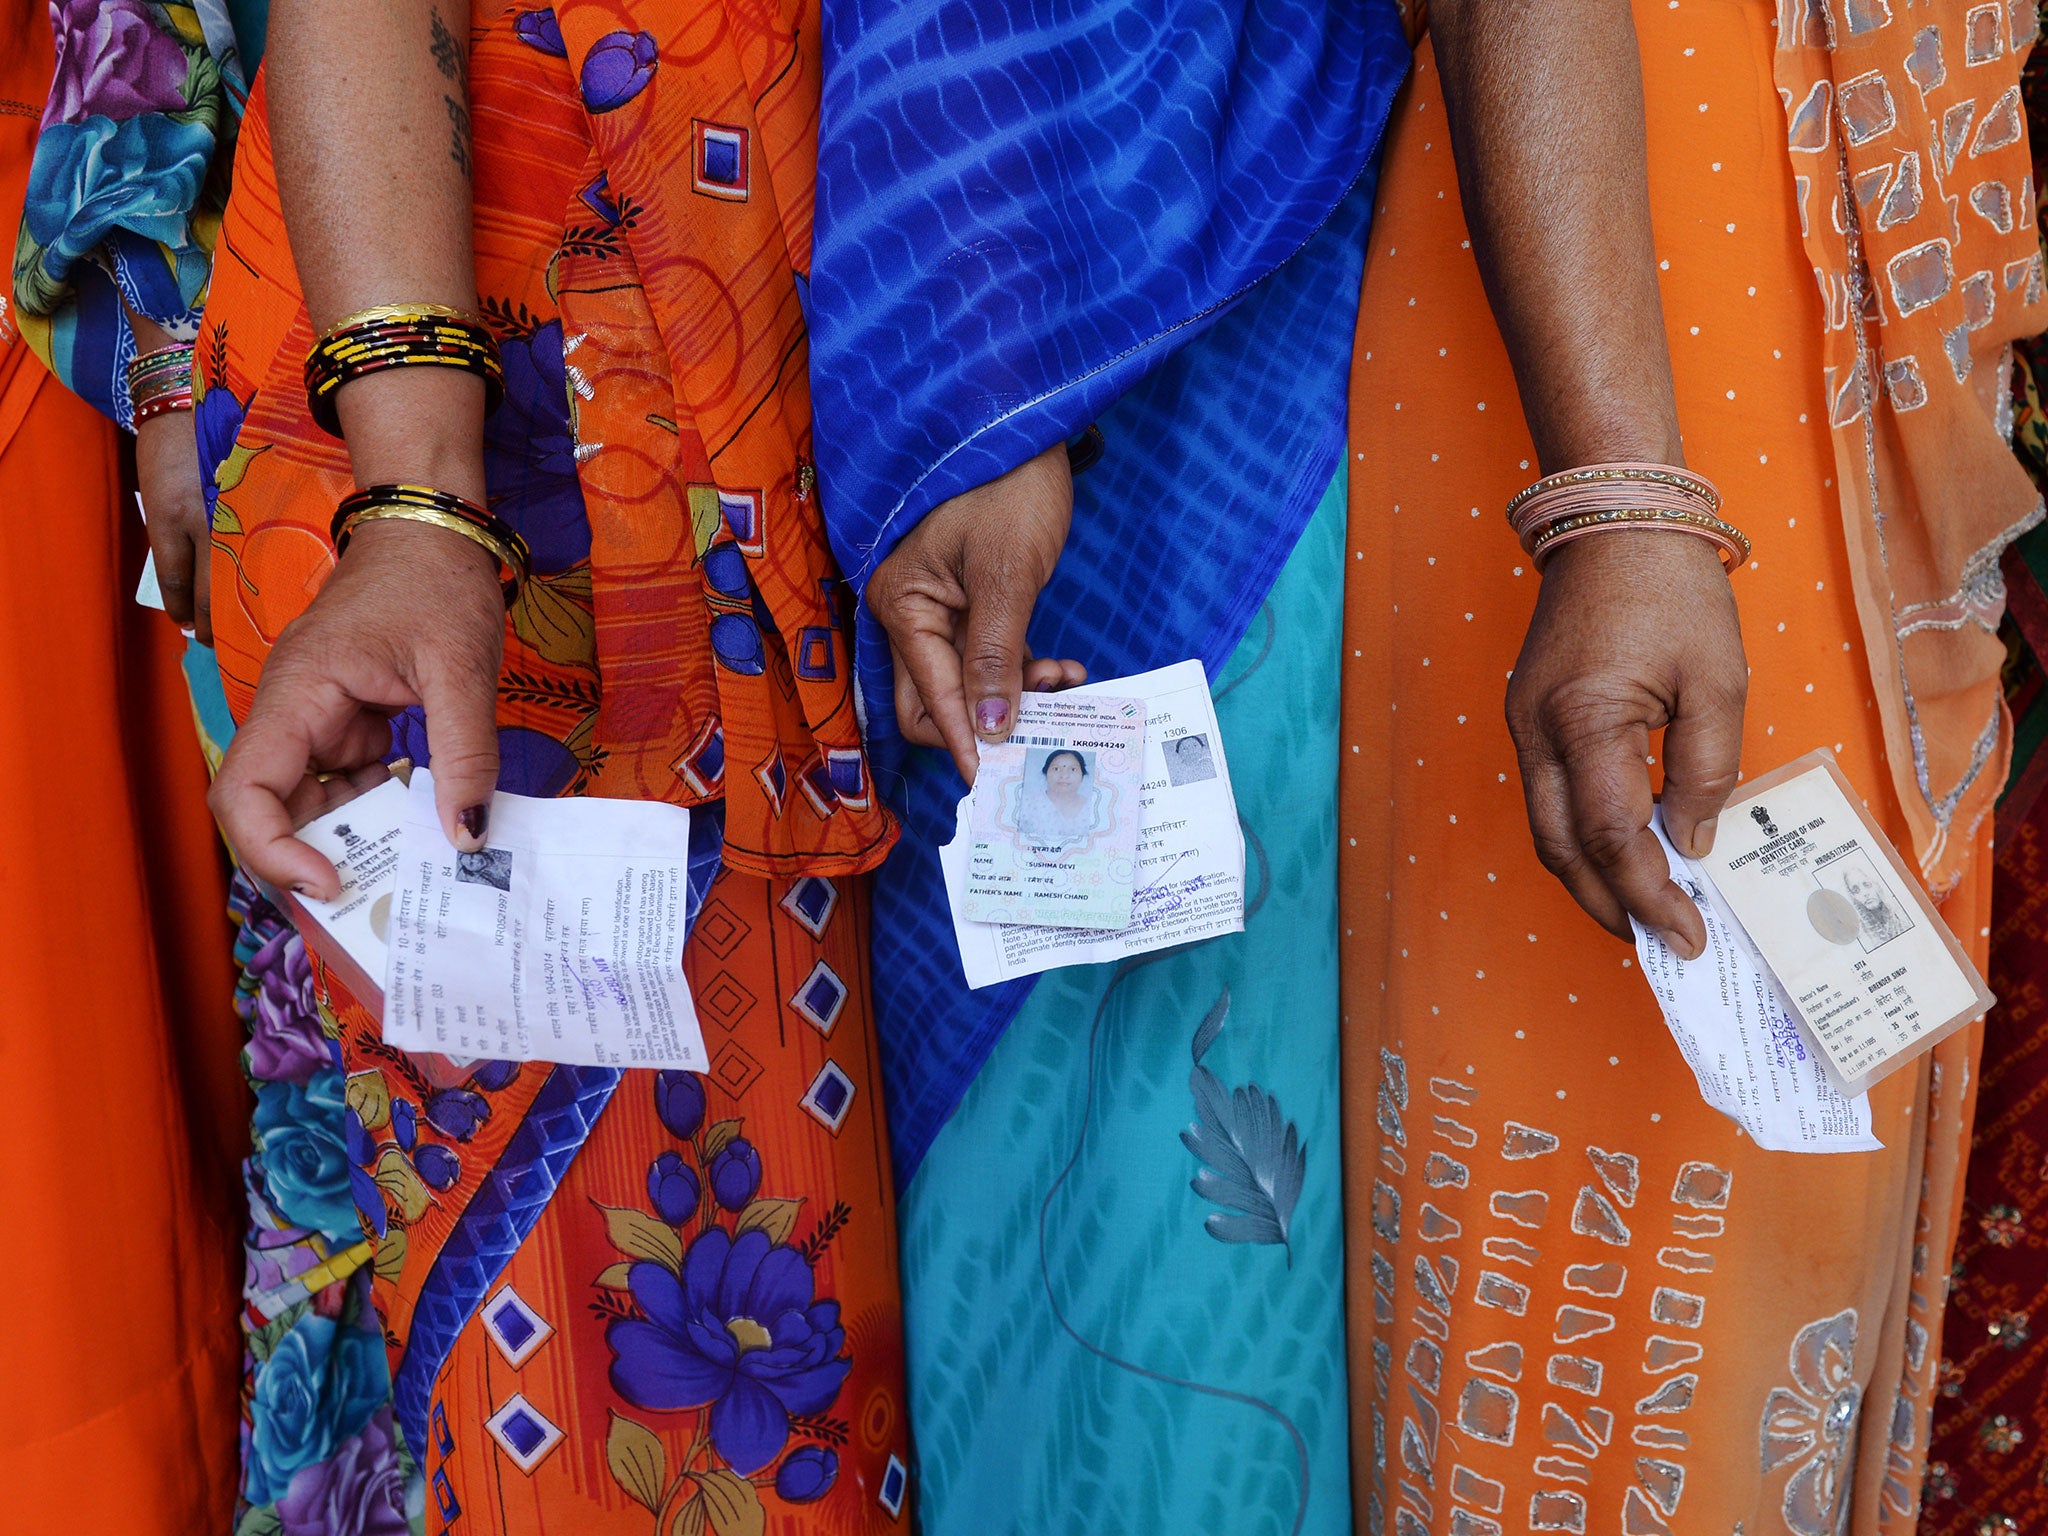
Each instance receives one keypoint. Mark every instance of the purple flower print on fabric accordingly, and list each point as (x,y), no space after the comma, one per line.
(736,1173)
(672,1188)
(540,29)
(679,1100)
(286,1043)
(113,61)
(617,69)
(530,453)
(358,1491)
(738,1330)
(807,1474)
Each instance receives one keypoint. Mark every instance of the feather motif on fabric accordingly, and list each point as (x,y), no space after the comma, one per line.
(1253,1157)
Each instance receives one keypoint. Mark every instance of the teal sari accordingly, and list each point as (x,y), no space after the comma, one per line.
(1089,1338)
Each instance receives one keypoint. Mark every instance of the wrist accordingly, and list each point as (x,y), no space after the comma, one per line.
(1609,437)
(416,547)
(416,426)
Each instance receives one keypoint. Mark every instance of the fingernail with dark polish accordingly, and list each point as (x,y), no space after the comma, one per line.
(474,820)
(990,714)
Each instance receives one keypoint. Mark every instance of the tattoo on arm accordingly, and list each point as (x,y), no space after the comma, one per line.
(458,135)
(450,57)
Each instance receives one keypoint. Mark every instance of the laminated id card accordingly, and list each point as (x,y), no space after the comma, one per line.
(1863,956)
(1053,829)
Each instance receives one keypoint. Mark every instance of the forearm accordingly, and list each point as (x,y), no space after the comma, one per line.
(370,117)
(1546,116)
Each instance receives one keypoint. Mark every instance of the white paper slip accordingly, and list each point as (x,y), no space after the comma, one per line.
(361,840)
(1190,873)
(147,591)
(560,941)
(1869,965)
(1737,1031)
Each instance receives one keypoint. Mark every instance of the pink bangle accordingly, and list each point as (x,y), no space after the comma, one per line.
(1729,541)
(1618,477)
(1599,498)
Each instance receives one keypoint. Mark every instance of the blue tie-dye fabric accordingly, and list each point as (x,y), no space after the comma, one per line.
(1034,214)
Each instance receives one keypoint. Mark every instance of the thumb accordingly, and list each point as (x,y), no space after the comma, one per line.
(1702,756)
(992,655)
(462,729)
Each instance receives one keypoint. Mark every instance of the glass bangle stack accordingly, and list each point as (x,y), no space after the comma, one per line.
(1601,498)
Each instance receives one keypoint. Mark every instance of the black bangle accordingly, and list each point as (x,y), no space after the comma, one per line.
(398,338)
(424,504)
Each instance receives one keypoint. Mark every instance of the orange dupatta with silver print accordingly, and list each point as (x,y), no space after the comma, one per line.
(1917,205)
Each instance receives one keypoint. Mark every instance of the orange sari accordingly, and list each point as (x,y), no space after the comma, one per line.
(126,1110)
(622,1302)
(1580,1300)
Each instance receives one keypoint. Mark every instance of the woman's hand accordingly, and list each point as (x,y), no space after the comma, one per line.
(411,615)
(1633,631)
(956,596)
(180,538)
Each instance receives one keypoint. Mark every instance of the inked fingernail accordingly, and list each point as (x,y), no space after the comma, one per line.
(303,889)
(474,820)
(990,714)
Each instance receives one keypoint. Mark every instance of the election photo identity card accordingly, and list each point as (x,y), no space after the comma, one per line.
(360,838)
(1874,973)
(1053,829)
(561,940)
(1191,851)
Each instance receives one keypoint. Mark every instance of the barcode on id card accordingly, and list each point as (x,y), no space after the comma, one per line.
(1040,741)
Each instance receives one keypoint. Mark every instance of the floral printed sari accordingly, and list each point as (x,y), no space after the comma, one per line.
(126,187)
(609,1302)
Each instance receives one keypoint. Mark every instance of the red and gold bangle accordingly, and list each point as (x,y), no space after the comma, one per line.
(164,403)
(440,509)
(160,382)
(398,336)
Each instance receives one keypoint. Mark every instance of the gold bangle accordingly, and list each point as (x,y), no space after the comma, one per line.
(394,311)
(512,571)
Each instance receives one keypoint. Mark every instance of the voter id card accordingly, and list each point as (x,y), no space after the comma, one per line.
(1862,954)
(1053,830)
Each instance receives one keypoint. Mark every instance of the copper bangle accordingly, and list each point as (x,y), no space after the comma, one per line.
(1731,542)
(1588,475)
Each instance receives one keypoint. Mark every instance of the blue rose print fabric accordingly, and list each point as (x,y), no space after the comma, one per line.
(320,1456)
(127,184)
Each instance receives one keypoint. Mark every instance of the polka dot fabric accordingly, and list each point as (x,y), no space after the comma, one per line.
(1580,1300)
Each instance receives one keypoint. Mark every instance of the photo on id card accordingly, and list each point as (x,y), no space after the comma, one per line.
(1053,828)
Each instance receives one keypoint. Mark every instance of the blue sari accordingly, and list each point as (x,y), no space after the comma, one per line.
(1150,217)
